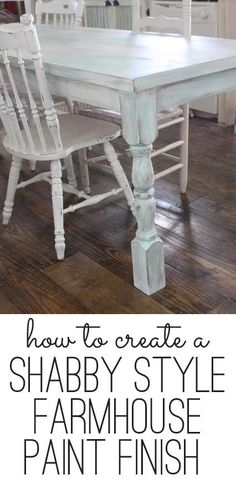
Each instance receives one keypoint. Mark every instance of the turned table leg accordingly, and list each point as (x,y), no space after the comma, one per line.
(140,129)
(147,248)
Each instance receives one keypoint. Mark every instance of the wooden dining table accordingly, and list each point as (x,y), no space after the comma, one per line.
(138,75)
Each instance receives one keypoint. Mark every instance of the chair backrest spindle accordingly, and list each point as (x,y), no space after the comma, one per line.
(14,111)
(32,103)
(15,129)
(60,12)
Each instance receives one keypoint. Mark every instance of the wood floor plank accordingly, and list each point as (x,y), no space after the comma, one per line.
(203,230)
(36,293)
(7,306)
(228,307)
(101,290)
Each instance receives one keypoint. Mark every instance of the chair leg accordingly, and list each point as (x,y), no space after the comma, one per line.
(32,165)
(57,206)
(184,134)
(84,172)
(70,106)
(70,171)
(119,173)
(11,189)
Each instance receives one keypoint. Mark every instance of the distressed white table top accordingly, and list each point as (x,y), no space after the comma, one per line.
(132,61)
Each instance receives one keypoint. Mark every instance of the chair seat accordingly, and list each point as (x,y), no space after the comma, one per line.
(115,117)
(77,132)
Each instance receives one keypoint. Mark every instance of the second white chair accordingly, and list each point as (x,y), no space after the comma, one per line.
(178,22)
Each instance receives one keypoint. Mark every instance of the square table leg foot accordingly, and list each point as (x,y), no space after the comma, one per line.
(148,265)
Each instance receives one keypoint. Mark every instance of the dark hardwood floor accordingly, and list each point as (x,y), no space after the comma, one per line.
(198,230)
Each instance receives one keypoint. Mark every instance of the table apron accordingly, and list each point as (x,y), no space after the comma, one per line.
(76,90)
(195,88)
(167,96)
(138,109)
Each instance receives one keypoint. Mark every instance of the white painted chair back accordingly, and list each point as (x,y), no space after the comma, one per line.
(60,12)
(178,22)
(18,111)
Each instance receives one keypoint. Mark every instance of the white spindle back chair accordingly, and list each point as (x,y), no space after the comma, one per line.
(34,138)
(178,23)
(60,12)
